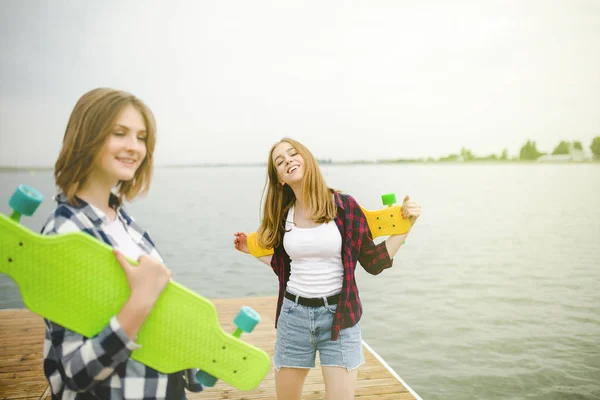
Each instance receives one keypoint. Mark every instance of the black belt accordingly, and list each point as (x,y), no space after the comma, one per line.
(316,302)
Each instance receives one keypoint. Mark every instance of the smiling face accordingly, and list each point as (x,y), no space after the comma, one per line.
(124,148)
(288,163)
(293,174)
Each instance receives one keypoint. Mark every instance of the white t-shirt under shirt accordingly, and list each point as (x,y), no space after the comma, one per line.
(124,243)
(316,258)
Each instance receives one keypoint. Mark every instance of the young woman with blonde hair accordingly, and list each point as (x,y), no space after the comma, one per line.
(318,235)
(106,157)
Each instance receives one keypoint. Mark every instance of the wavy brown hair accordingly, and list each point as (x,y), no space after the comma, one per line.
(279,198)
(91,121)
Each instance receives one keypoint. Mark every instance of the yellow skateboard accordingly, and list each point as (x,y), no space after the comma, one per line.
(75,280)
(383,222)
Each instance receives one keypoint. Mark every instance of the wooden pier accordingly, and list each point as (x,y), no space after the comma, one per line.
(21,373)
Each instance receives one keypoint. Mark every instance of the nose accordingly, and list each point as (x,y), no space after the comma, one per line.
(133,143)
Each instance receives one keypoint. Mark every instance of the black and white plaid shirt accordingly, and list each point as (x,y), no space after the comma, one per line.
(100,367)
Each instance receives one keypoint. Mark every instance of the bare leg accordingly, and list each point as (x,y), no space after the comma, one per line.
(340,383)
(289,382)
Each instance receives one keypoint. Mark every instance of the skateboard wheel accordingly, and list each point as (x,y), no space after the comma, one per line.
(388,199)
(247,319)
(206,379)
(25,200)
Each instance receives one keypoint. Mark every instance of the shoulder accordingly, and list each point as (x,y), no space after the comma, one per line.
(344,200)
(350,211)
(64,219)
(135,229)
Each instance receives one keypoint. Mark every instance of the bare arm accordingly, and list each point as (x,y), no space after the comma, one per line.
(410,210)
(266,259)
(393,244)
(372,257)
(241,244)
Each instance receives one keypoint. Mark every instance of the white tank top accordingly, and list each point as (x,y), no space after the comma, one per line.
(316,258)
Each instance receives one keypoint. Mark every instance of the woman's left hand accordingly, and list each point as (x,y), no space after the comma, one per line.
(410,210)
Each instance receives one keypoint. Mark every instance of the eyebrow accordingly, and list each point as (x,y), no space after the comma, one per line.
(287,151)
(127,128)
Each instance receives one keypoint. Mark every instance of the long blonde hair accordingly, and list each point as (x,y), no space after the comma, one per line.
(279,198)
(91,121)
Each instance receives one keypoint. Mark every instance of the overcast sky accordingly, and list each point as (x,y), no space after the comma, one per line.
(362,80)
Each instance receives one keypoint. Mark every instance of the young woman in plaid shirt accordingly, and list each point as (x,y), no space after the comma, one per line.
(107,156)
(318,235)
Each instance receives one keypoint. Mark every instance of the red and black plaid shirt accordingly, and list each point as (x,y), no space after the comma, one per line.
(357,245)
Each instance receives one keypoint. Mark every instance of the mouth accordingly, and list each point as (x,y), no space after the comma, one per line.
(127,161)
(292,169)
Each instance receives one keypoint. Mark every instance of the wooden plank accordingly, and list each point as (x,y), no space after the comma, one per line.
(21,369)
(21,346)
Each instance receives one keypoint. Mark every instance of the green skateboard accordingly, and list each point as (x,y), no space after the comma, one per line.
(75,281)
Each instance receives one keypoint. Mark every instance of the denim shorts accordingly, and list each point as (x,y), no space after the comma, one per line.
(302,331)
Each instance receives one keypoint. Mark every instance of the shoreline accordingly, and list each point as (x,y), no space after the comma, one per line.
(366,162)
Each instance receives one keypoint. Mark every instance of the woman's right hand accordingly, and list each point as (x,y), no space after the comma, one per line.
(146,283)
(241,242)
(148,279)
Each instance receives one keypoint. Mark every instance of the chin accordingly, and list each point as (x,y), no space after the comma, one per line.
(126,176)
(298,177)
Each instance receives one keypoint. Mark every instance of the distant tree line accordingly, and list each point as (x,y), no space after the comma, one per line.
(528,152)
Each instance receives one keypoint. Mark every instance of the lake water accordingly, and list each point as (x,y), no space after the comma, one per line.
(496,294)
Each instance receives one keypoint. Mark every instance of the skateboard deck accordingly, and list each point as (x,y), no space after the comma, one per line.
(75,281)
(383,222)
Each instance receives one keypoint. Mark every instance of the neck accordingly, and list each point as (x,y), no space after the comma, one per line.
(299,204)
(97,192)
